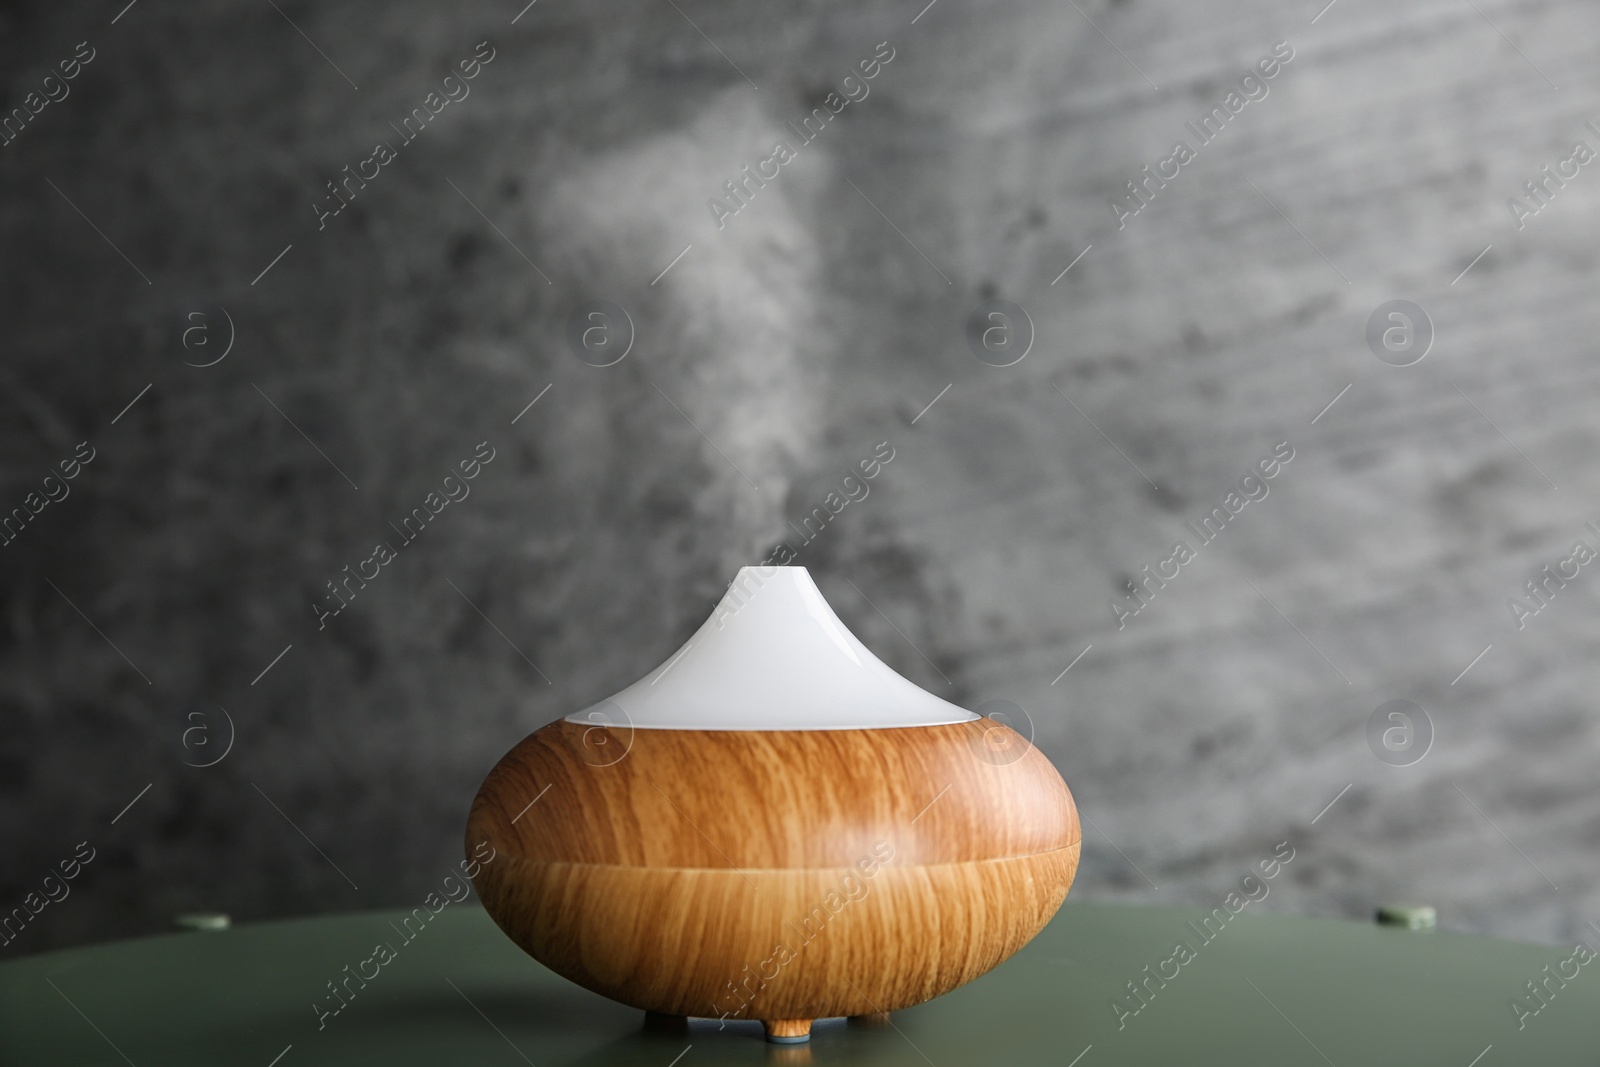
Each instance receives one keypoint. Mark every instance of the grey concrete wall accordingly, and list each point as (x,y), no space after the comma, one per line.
(178,574)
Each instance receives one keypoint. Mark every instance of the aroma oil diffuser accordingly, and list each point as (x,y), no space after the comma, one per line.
(773,825)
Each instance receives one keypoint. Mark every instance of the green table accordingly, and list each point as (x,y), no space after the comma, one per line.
(1267,990)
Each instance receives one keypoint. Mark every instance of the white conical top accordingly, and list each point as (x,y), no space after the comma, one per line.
(773,656)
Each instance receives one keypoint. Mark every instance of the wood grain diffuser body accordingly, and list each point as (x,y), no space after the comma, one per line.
(773,825)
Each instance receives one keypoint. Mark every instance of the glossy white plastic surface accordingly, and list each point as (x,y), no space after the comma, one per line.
(773,656)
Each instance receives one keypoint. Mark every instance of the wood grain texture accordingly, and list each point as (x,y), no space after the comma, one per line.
(773,799)
(774,875)
(767,944)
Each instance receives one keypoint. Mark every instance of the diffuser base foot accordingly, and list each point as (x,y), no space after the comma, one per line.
(787,1031)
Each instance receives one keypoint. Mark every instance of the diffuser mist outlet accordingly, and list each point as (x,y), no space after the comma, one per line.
(774,825)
